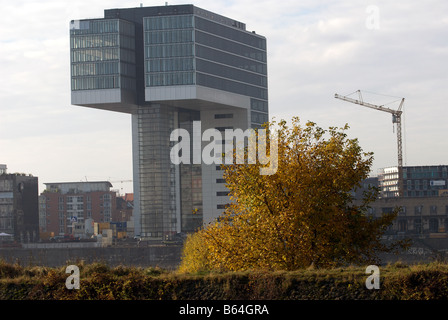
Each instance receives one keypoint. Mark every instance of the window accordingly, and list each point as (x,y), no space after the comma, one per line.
(221,206)
(433,209)
(168,22)
(417,226)
(220,180)
(239,49)
(171,64)
(433,225)
(233,73)
(97,26)
(259,105)
(223,129)
(169,36)
(417,184)
(259,117)
(231,86)
(224,116)
(169,50)
(222,193)
(387,210)
(230,33)
(230,59)
(402,225)
(169,79)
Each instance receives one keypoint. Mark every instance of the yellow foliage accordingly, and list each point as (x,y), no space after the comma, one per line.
(300,216)
(194,255)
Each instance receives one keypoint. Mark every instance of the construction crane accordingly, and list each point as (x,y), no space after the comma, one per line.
(396,119)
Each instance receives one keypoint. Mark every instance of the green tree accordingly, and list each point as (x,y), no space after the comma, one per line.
(302,215)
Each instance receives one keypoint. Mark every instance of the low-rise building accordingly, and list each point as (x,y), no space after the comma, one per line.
(423,215)
(417,216)
(68,205)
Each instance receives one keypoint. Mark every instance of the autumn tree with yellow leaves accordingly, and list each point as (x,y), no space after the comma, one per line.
(302,215)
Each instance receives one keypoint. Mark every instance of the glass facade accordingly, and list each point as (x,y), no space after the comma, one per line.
(102,54)
(169,50)
(6,206)
(162,203)
(233,60)
(157,173)
(418,181)
(425,181)
(190,180)
(190,49)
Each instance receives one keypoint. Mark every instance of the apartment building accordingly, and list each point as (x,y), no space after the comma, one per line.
(67,206)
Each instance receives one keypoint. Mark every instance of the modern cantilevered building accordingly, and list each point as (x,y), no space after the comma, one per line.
(168,66)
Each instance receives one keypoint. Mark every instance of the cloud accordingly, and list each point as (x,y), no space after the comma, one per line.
(315,49)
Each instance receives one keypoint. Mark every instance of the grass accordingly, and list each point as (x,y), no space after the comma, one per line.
(99,281)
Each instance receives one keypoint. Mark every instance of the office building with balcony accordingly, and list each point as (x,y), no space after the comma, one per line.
(167,67)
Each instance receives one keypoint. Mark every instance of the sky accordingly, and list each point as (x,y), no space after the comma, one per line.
(386,49)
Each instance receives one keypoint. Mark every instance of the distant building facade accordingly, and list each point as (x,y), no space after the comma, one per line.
(418,181)
(417,217)
(67,206)
(125,207)
(423,208)
(19,206)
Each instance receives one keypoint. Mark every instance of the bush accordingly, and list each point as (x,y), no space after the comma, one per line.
(195,255)
(8,270)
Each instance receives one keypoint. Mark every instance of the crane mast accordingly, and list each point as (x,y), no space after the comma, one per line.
(396,118)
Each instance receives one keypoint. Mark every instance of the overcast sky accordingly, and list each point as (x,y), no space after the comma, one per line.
(315,49)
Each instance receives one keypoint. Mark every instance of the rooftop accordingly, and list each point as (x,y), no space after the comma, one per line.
(78,187)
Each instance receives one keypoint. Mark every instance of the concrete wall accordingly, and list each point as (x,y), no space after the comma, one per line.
(167,257)
(210,187)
